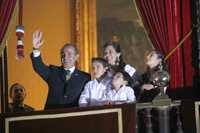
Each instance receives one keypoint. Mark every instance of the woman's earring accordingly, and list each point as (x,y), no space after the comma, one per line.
(117,61)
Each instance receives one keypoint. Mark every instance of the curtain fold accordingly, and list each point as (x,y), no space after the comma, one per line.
(6,10)
(188,43)
(167,22)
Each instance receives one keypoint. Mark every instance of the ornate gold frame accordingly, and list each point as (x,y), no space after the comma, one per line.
(86,32)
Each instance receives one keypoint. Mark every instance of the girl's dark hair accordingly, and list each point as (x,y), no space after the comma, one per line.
(117,48)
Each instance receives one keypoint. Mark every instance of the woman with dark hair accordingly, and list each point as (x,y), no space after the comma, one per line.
(113,54)
(154,60)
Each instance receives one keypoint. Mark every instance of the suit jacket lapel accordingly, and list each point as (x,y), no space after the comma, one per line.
(62,74)
(73,81)
(75,74)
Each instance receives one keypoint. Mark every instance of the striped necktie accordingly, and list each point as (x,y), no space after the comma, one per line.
(67,75)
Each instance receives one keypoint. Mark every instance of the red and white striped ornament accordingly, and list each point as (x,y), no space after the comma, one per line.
(20,34)
(20,44)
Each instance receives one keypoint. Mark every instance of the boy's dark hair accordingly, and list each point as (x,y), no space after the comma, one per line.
(100,60)
(126,76)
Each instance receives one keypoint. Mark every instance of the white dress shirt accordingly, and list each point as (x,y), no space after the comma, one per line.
(94,92)
(36,53)
(124,95)
(71,69)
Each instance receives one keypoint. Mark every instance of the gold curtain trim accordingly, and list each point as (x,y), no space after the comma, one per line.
(179,44)
(86,33)
(11,23)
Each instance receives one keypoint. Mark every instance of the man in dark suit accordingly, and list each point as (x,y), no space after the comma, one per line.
(65,82)
(18,93)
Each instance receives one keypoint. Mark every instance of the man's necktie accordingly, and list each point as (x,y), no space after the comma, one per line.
(68,75)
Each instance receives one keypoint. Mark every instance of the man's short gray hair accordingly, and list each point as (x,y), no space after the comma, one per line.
(68,45)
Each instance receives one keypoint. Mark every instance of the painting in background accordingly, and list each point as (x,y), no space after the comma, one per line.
(120,18)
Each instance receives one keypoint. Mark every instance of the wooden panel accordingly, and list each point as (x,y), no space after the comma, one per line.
(188,116)
(98,123)
(105,119)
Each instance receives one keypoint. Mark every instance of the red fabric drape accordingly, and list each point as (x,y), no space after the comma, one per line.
(167,22)
(6,10)
(188,43)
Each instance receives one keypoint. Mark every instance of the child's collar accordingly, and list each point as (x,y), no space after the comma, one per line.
(101,78)
(118,88)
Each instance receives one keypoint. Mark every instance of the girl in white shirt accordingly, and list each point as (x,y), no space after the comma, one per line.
(120,92)
(94,90)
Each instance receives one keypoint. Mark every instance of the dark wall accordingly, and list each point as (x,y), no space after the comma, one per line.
(195,17)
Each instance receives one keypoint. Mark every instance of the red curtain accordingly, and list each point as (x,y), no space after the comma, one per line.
(167,22)
(6,10)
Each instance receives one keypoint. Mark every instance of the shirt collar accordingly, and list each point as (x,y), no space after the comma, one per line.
(114,90)
(97,81)
(101,78)
(72,69)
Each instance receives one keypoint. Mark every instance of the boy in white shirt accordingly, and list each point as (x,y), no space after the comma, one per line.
(94,90)
(120,92)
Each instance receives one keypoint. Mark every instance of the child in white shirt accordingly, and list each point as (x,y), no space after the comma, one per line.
(94,90)
(120,92)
